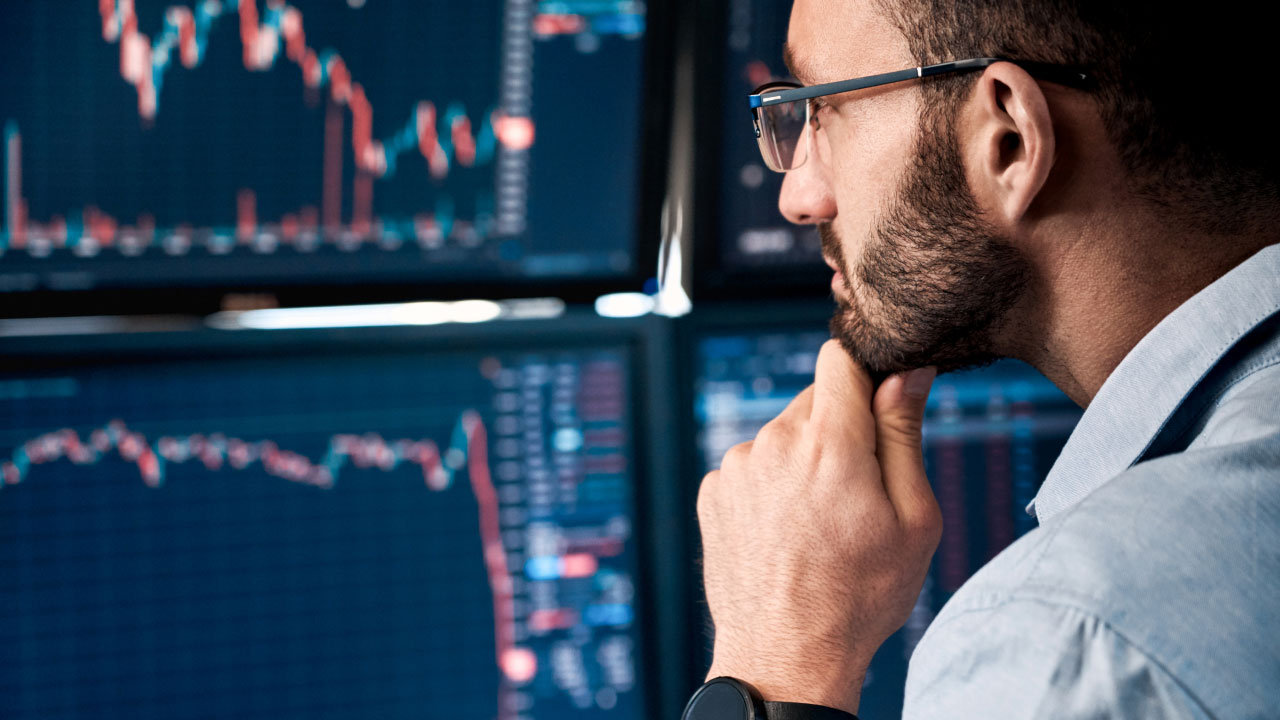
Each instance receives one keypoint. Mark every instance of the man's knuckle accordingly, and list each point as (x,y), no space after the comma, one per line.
(777,434)
(736,455)
(934,527)
(924,525)
(705,491)
(910,427)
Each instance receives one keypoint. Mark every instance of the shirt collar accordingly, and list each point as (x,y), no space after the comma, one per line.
(1146,388)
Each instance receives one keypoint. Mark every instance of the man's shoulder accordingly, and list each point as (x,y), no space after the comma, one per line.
(1198,530)
(1160,582)
(1178,558)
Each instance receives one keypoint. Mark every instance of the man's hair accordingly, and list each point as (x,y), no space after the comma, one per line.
(1180,92)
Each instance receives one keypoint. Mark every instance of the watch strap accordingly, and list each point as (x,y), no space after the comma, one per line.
(725,696)
(803,711)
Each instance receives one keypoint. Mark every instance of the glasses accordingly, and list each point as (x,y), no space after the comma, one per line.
(780,118)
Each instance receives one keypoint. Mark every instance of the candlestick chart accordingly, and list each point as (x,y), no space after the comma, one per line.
(252,142)
(328,537)
(990,437)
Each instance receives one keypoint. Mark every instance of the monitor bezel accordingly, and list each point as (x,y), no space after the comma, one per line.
(200,300)
(664,671)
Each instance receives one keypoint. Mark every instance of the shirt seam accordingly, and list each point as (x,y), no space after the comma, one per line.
(1217,356)
(1051,535)
(1211,403)
(1088,613)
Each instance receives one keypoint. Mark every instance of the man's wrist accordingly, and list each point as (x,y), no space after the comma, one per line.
(836,687)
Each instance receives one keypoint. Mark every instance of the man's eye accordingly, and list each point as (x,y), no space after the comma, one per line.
(816,106)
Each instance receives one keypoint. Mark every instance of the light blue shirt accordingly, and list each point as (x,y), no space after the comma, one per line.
(1151,588)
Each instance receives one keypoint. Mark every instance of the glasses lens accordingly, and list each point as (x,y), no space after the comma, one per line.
(782,134)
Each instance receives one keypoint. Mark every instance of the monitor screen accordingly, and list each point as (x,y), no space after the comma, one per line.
(754,239)
(416,530)
(990,437)
(266,144)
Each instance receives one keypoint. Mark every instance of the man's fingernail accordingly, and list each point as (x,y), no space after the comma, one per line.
(919,381)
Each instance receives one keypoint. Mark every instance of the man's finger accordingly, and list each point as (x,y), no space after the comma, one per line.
(842,396)
(899,417)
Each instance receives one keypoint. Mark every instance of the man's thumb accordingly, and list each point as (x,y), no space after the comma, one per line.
(899,411)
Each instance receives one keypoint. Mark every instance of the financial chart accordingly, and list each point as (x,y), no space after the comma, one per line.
(990,437)
(265,142)
(753,234)
(393,534)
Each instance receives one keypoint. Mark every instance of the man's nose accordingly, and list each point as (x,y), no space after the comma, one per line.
(806,197)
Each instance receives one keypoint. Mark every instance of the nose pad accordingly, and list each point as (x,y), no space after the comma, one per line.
(819,146)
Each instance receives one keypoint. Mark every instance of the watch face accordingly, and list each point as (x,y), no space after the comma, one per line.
(720,699)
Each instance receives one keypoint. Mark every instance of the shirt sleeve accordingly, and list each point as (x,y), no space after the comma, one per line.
(1037,659)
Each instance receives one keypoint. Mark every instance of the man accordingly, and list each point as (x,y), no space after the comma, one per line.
(1087,192)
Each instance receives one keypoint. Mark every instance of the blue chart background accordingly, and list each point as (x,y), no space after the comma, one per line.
(234,593)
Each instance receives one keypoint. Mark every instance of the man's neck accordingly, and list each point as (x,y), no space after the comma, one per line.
(1103,297)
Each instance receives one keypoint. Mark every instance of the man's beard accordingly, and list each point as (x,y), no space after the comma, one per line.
(935,282)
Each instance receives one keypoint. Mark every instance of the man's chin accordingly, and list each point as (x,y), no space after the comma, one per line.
(869,349)
(882,354)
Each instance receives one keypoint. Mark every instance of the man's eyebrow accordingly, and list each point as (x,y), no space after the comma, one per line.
(794,65)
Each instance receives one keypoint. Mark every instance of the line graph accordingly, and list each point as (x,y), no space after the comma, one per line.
(216,451)
(467,450)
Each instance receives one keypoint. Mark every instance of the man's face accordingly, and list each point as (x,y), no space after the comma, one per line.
(921,279)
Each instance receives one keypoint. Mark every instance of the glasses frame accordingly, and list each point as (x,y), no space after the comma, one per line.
(779,93)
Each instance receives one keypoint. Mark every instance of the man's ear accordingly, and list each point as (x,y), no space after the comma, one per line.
(1009,144)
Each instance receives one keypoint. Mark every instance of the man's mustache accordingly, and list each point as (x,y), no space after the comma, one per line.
(831,248)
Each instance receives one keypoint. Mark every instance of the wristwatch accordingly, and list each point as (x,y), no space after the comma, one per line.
(726,698)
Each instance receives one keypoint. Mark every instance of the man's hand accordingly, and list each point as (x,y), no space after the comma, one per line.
(817,535)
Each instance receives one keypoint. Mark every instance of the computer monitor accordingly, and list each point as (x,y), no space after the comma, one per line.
(392,523)
(990,437)
(748,246)
(353,148)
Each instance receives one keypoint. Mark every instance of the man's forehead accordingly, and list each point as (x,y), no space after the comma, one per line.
(829,41)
